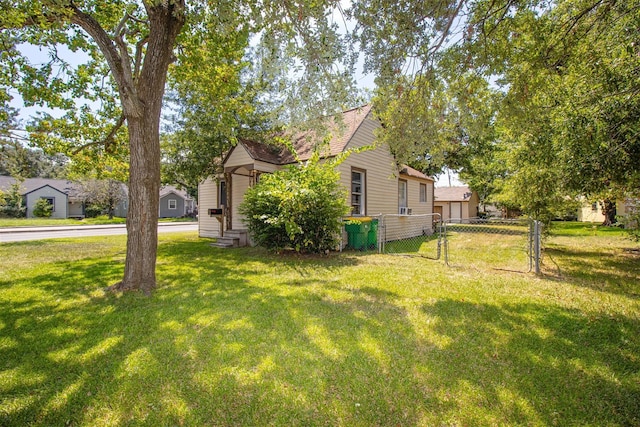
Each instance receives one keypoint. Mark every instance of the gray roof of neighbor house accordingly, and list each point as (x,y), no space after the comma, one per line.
(69,188)
(305,142)
(452,194)
(166,189)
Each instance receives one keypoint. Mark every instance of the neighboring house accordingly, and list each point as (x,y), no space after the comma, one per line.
(592,211)
(455,203)
(374,182)
(65,197)
(174,203)
(61,194)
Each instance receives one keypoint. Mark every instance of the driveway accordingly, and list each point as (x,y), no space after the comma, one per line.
(18,234)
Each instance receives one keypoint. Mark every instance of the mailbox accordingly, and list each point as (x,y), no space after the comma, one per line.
(215,212)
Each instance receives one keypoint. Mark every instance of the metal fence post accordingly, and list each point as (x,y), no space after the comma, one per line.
(443,227)
(380,239)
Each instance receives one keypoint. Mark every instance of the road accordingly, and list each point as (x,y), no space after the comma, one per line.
(19,234)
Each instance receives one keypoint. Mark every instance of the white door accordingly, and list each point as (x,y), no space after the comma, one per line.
(456,211)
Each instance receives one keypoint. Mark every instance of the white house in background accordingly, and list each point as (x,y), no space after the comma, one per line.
(455,203)
(375,183)
(175,203)
(592,211)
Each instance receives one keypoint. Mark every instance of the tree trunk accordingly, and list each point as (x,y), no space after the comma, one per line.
(142,217)
(609,212)
(142,112)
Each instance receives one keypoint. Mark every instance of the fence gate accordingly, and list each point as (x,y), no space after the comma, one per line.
(493,243)
(410,235)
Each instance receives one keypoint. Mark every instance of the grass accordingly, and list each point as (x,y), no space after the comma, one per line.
(243,337)
(43,222)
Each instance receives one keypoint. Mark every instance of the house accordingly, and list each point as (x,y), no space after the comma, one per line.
(175,203)
(375,184)
(66,197)
(455,203)
(592,211)
(61,194)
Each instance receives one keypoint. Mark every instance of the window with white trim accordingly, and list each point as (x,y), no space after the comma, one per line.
(423,193)
(402,193)
(173,204)
(358,192)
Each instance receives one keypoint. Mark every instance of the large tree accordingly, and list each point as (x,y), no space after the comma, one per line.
(558,112)
(128,48)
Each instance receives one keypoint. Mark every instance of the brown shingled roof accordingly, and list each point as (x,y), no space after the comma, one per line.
(409,171)
(305,142)
(452,194)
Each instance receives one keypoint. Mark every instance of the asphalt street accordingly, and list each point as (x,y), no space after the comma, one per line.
(19,234)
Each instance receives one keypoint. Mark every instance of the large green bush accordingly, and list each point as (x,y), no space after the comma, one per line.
(300,207)
(42,209)
(93,211)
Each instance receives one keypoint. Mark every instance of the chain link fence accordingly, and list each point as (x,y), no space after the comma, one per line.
(411,235)
(502,244)
(513,245)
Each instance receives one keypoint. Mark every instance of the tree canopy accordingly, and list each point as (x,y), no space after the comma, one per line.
(535,101)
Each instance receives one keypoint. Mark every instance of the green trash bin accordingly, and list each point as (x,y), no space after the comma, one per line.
(358,230)
(372,236)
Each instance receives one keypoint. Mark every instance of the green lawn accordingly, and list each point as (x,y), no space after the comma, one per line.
(241,337)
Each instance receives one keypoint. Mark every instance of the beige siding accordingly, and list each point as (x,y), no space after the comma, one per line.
(413,196)
(587,214)
(456,210)
(265,167)
(238,157)
(381,182)
(208,199)
(444,206)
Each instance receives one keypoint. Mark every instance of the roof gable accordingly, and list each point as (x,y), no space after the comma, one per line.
(166,190)
(306,142)
(44,186)
(31,184)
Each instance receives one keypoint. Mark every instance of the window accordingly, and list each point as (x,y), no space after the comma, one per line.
(222,194)
(423,193)
(51,201)
(594,206)
(402,194)
(358,192)
(173,204)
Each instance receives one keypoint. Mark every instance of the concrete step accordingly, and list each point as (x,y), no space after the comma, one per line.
(227,242)
(232,239)
(239,234)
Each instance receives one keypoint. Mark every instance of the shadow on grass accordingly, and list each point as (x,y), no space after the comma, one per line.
(227,340)
(537,364)
(614,272)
